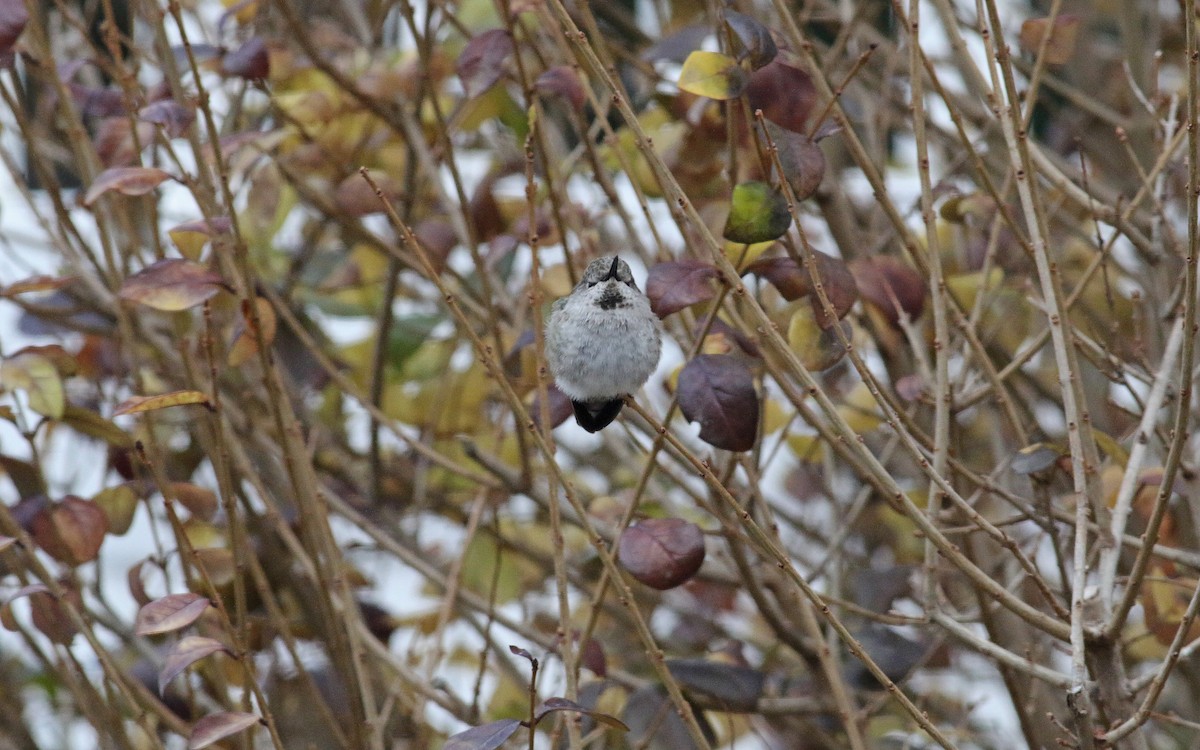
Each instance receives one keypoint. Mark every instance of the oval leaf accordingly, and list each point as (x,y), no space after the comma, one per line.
(662,552)
(1063,32)
(758,48)
(184,654)
(250,61)
(126,181)
(171,285)
(119,504)
(191,237)
(39,378)
(169,613)
(562,81)
(757,213)
(891,285)
(784,93)
(482,61)
(162,401)
(562,704)
(802,160)
(13,17)
(71,531)
(717,391)
(218,726)
(735,688)
(794,281)
(713,75)
(485,737)
(245,342)
(674,285)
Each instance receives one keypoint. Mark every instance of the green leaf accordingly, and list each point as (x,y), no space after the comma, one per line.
(758,213)
(713,75)
(39,378)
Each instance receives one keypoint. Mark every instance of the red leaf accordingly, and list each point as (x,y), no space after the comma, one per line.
(794,281)
(70,531)
(481,63)
(662,552)
(250,61)
(13,17)
(674,285)
(125,180)
(784,93)
(717,390)
(563,81)
(170,115)
(169,613)
(886,281)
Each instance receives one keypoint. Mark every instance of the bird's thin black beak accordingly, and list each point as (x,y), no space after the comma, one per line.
(612,272)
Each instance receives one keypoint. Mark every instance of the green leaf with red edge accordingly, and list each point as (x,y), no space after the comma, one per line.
(712,74)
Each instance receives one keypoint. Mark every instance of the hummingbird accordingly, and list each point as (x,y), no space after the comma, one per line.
(602,342)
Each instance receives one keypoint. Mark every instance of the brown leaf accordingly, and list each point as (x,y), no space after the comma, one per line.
(802,160)
(189,650)
(250,61)
(1063,33)
(245,343)
(481,62)
(354,196)
(562,81)
(71,530)
(36,284)
(125,180)
(218,726)
(137,404)
(171,612)
(201,502)
(674,285)
(13,17)
(717,390)
(51,617)
(662,552)
(784,93)
(171,284)
(886,281)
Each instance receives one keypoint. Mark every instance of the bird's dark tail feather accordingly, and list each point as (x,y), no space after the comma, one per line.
(594,416)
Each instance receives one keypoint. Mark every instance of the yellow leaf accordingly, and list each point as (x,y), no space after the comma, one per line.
(39,378)
(713,75)
(860,409)
(162,401)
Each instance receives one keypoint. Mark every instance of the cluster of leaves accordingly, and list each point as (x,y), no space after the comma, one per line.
(926,392)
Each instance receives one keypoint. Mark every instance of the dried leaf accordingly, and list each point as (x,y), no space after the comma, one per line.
(51,616)
(886,281)
(215,727)
(189,650)
(481,62)
(162,401)
(662,552)
(201,502)
(245,343)
(674,285)
(484,737)
(171,284)
(126,181)
(1063,33)
(170,613)
(712,74)
(717,390)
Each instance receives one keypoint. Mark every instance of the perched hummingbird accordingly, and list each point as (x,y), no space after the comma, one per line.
(602,342)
